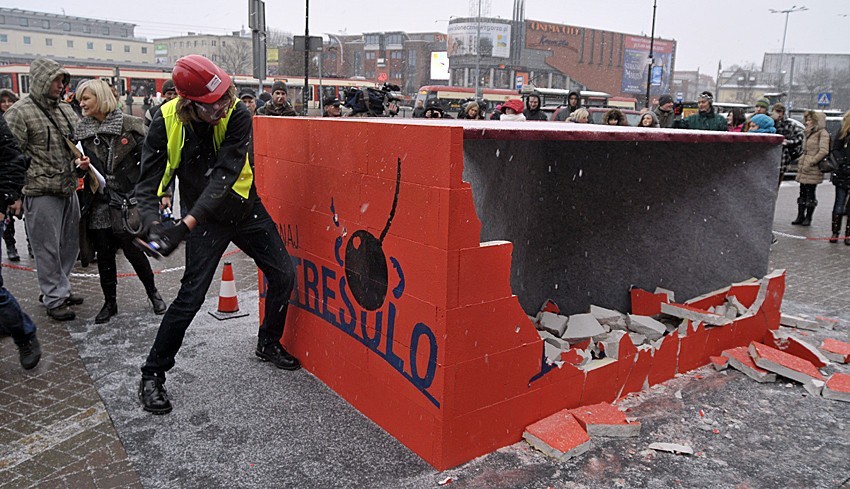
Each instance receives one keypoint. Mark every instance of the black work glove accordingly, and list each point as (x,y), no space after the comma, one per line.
(165,240)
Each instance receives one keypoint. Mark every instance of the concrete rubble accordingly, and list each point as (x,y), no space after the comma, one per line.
(836,351)
(672,448)
(603,419)
(788,366)
(798,322)
(646,326)
(740,360)
(837,387)
(559,436)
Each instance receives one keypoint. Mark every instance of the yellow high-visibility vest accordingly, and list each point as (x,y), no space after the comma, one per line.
(174,149)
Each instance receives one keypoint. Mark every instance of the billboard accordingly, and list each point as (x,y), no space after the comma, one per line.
(495,39)
(635,68)
(439,65)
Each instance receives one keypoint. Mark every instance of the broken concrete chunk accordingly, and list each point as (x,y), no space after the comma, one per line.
(582,326)
(647,326)
(685,311)
(719,363)
(605,316)
(837,351)
(788,366)
(597,363)
(554,340)
(798,322)
(837,387)
(576,357)
(553,353)
(603,419)
(784,341)
(672,448)
(553,323)
(740,360)
(671,296)
(611,345)
(637,338)
(733,302)
(559,436)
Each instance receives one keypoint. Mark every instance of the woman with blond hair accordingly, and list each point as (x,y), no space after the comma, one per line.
(815,148)
(841,180)
(112,142)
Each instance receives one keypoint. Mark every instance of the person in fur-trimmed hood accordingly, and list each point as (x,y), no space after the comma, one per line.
(113,143)
(44,124)
(815,148)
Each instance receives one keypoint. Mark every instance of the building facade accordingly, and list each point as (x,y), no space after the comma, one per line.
(26,35)
(530,52)
(232,52)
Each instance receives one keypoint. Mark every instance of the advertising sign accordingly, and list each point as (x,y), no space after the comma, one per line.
(495,39)
(439,65)
(635,67)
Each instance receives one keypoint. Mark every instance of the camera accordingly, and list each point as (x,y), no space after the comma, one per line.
(373,102)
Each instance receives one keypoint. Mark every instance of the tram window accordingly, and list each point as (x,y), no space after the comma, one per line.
(6,80)
(24,84)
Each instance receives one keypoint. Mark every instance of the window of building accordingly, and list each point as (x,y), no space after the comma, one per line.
(394,39)
(108,46)
(222,43)
(203,42)
(89,45)
(4,38)
(397,55)
(24,22)
(66,26)
(373,41)
(181,44)
(395,75)
(212,43)
(144,50)
(124,32)
(126,48)
(70,44)
(105,30)
(2,19)
(370,55)
(27,40)
(196,43)
(48,42)
(86,28)
(214,58)
(411,59)
(45,24)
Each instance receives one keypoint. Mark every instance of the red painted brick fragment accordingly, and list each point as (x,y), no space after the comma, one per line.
(719,363)
(788,366)
(603,419)
(837,351)
(559,436)
(741,361)
(783,341)
(838,387)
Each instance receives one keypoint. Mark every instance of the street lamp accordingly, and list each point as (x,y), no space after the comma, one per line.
(787,12)
(478,55)
(650,60)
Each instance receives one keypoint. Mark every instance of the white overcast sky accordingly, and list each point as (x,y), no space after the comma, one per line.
(731,31)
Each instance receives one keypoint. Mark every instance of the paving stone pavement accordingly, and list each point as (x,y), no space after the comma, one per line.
(57,431)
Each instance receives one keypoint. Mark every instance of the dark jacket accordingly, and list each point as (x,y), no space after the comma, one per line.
(564,113)
(122,136)
(205,177)
(706,121)
(51,164)
(665,117)
(536,114)
(12,167)
(841,153)
(270,108)
(793,139)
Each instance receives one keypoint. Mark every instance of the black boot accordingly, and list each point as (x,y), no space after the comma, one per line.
(847,232)
(801,212)
(273,352)
(153,396)
(836,227)
(109,309)
(807,220)
(12,254)
(30,353)
(159,305)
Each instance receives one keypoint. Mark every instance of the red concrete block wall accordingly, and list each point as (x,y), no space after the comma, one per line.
(402,311)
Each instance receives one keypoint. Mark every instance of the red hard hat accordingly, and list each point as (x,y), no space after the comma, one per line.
(199,79)
(515,104)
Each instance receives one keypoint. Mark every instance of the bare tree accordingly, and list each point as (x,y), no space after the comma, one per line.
(276,38)
(840,84)
(815,82)
(236,57)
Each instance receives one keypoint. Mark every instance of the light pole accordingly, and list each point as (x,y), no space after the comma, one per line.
(650,60)
(478,55)
(787,12)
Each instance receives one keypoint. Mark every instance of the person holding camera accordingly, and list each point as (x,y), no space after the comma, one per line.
(44,126)
(706,119)
(204,138)
(664,111)
(112,142)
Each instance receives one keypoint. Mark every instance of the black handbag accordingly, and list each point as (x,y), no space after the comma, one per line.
(828,164)
(124,214)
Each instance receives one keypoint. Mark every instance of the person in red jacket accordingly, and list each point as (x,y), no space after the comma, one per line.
(204,139)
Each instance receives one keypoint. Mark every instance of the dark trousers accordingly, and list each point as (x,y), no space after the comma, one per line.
(807,195)
(13,320)
(9,233)
(258,238)
(106,243)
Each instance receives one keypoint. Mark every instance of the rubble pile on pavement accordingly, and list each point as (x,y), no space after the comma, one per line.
(587,340)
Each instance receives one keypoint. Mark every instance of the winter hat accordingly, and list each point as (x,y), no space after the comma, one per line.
(779,106)
(515,104)
(168,86)
(764,122)
(664,100)
(279,85)
(247,92)
(707,95)
(763,103)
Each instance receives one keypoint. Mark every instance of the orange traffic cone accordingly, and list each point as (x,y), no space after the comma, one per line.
(228,302)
